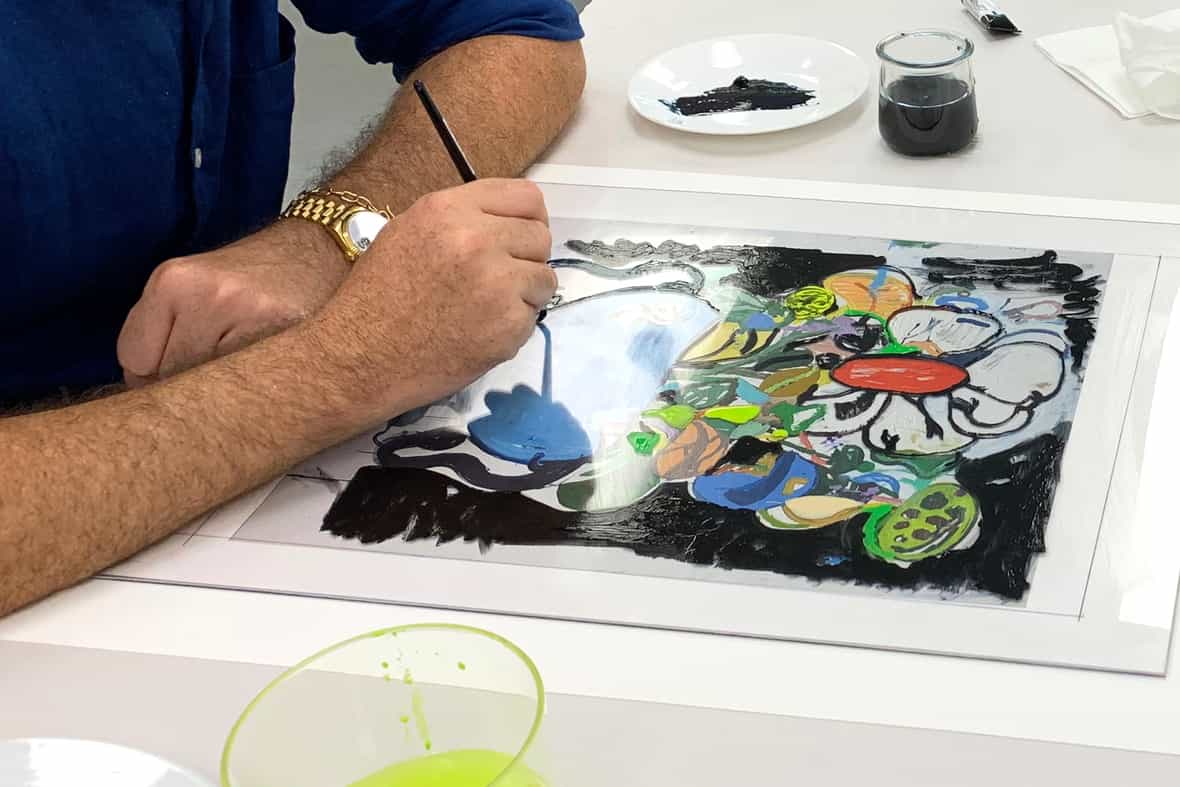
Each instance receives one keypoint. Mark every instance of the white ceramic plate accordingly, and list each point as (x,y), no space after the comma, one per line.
(58,762)
(834,76)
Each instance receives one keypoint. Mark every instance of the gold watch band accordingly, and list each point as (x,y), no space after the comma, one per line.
(332,208)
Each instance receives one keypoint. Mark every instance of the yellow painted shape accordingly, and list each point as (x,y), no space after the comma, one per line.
(713,342)
(820,510)
(789,382)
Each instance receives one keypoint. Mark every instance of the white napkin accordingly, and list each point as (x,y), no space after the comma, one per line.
(1134,64)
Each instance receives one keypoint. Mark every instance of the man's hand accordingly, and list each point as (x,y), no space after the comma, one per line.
(197,308)
(451,288)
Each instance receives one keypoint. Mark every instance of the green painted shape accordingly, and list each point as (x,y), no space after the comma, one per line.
(894,348)
(926,467)
(676,416)
(795,419)
(928,524)
(890,339)
(724,428)
(643,443)
(749,429)
(845,459)
(735,414)
(810,302)
(707,393)
(618,478)
(872,526)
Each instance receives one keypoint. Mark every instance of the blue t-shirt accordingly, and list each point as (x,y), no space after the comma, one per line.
(135,132)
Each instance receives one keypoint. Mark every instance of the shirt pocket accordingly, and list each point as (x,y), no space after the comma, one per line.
(257,149)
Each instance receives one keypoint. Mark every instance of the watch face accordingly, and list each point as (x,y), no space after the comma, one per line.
(362,228)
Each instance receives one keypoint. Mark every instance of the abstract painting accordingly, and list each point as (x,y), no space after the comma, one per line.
(887,414)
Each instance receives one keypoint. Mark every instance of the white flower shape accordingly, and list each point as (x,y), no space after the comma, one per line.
(965,381)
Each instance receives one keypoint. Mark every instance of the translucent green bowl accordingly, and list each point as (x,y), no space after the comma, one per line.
(415,706)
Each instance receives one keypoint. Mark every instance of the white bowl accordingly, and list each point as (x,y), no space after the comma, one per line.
(61,762)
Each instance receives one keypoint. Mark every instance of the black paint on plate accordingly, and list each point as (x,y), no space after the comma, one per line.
(743,95)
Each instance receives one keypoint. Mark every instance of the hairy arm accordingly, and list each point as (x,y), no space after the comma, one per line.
(88,485)
(505,97)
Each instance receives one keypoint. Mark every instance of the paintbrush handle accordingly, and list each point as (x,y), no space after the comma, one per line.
(444,133)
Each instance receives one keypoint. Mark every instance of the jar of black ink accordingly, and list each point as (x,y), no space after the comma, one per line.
(927,97)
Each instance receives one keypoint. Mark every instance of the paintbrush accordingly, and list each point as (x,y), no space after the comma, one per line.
(450,143)
(444,133)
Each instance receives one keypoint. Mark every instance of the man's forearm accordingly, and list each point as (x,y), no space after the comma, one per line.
(505,97)
(88,485)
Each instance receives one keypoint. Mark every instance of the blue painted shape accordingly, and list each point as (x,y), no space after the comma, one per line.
(759,322)
(879,280)
(524,426)
(879,479)
(962,300)
(740,490)
(747,392)
(594,360)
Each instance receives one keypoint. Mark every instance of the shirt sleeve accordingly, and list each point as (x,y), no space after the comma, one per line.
(407,32)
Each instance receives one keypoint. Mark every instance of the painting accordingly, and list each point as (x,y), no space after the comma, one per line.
(846,412)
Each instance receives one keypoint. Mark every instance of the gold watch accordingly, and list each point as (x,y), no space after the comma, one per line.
(351,219)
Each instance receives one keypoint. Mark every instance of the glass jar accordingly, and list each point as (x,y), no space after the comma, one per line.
(927,101)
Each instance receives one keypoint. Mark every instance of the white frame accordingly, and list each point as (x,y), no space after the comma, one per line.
(1121,624)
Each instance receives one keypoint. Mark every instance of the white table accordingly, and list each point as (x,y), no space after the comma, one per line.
(1042,134)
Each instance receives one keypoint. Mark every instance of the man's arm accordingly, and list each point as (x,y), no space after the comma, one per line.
(88,485)
(505,97)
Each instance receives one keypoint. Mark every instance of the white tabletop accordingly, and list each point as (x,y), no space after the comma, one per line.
(1042,134)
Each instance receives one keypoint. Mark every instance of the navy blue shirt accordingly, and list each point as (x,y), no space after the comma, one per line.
(135,132)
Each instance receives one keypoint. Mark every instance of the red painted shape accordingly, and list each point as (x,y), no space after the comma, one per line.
(900,374)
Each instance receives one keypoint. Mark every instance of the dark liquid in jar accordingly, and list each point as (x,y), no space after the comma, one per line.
(927,116)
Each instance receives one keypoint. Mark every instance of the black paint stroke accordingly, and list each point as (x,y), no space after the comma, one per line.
(623,250)
(1014,490)
(467,466)
(623,275)
(771,271)
(1042,273)
(742,95)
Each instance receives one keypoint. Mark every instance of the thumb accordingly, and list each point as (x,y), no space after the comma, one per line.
(144,337)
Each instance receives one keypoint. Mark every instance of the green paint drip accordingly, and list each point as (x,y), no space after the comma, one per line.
(419,715)
(408,678)
(385,665)
(464,768)
(462,666)
(735,414)
(404,719)
(676,416)
(643,443)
